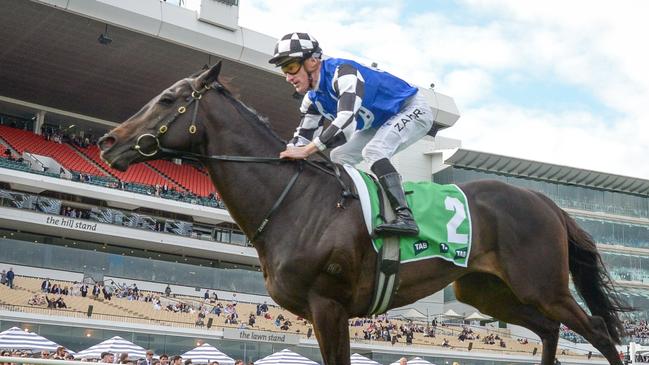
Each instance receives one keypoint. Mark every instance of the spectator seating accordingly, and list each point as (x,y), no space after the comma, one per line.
(139,311)
(191,178)
(139,173)
(22,141)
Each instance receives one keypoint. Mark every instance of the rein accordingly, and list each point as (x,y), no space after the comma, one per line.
(196,95)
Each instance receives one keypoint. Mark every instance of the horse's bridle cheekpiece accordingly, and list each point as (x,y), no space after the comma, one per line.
(195,97)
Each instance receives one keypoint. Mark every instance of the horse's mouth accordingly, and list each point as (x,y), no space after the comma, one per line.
(114,163)
(117,161)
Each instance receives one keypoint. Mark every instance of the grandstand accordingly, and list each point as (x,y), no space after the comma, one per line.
(161,224)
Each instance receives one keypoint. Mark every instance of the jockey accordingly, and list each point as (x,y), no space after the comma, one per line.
(373,115)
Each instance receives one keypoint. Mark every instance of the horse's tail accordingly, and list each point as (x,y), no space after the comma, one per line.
(592,280)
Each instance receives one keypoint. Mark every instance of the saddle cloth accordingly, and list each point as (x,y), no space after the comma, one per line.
(441,211)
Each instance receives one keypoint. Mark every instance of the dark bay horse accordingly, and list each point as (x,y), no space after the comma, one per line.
(524,246)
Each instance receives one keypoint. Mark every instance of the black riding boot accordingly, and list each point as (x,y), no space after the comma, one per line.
(404,224)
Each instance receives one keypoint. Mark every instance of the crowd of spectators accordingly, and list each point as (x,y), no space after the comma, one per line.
(68,135)
(383,329)
(125,358)
(637,329)
(159,301)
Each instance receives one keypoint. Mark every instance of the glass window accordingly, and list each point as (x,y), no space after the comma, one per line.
(103,262)
(567,196)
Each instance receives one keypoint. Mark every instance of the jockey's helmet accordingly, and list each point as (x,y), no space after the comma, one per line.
(295,46)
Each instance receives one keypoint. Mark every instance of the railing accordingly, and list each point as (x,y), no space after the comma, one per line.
(95,315)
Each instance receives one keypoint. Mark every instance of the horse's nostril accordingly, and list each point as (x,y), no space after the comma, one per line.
(106,142)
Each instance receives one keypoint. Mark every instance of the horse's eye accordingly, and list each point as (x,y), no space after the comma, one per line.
(167,99)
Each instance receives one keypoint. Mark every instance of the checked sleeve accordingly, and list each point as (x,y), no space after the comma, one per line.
(310,125)
(349,86)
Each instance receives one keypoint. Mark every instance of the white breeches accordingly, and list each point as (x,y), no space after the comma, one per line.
(405,128)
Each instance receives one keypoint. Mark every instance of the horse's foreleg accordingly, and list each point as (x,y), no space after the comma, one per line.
(492,296)
(330,323)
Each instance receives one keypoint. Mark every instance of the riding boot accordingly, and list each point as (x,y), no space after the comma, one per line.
(404,224)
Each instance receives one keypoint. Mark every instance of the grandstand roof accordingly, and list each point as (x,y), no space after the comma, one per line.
(52,57)
(547,171)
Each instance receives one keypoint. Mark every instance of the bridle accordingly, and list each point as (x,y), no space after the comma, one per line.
(195,97)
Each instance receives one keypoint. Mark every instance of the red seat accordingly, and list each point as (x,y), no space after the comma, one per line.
(138,173)
(193,179)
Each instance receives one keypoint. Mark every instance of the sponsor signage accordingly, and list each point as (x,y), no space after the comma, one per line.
(261,336)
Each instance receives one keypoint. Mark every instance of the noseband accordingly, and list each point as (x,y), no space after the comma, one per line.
(195,97)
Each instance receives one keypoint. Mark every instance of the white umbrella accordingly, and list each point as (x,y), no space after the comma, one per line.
(362,360)
(116,346)
(475,316)
(285,357)
(415,361)
(452,314)
(17,339)
(206,353)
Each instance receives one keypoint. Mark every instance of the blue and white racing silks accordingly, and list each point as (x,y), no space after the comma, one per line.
(353,97)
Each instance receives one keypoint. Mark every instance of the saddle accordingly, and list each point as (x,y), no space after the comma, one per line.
(443,217)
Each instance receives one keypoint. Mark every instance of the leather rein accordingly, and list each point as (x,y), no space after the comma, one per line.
(326,166)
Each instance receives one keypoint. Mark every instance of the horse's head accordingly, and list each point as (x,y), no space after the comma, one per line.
(168,121)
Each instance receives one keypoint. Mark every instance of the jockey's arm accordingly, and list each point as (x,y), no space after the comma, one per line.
(310,124)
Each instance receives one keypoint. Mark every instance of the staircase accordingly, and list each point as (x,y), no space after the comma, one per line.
(168,177)
(90,161)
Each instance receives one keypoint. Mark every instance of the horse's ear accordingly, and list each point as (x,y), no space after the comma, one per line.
(209,76)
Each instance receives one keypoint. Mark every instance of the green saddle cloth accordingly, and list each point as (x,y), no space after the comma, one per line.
(442,214)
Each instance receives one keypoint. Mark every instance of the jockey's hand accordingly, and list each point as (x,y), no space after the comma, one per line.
(299,153)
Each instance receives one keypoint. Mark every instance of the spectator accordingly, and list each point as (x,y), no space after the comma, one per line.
(45,286)
(123,358)
(403,361)
(83,290)
(409,337)
(59,303)
(107,358)
(214,363)
(95,291)
(206,296)
(167,290)
(164,359)
(200,322)
(218,308)
(60,353)
(10,278)
(45,354)
(239,362)
(177,360)
(3,277)
(148,359)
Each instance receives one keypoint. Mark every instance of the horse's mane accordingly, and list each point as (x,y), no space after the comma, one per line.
(248,112)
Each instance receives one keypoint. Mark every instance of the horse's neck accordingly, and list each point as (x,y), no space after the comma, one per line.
(248,189)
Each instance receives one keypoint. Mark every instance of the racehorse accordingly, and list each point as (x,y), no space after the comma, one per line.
(317,258)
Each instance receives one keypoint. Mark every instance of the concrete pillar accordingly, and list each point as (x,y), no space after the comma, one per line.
(40,120)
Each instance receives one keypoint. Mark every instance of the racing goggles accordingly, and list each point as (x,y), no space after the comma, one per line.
(292,67)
